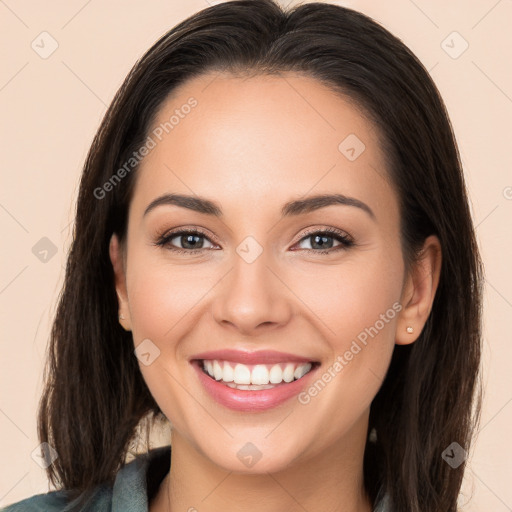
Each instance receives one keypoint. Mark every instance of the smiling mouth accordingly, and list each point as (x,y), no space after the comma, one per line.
(254,377)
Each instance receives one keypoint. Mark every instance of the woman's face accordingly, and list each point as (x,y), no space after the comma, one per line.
(256,279)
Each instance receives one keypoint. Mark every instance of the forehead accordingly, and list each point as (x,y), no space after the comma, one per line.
(243,140)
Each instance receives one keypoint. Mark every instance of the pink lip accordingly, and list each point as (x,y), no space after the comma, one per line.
(247,400)
(244,357)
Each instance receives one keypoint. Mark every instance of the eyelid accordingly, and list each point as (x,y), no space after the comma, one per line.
(171,233)
(322,230)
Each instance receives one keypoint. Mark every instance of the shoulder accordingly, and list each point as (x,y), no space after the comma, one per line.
(135,482)
(58,501)
(55,500)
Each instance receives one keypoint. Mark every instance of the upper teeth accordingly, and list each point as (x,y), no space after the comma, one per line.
(255,374)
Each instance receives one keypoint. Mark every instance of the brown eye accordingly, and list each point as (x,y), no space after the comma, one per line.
(322,241)
(190,240)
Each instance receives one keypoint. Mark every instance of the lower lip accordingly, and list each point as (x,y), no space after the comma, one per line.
(250,400)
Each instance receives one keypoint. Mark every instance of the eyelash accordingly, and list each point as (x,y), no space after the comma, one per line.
(339,235)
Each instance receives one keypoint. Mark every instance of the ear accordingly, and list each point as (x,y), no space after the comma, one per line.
(419,291)
(117,258)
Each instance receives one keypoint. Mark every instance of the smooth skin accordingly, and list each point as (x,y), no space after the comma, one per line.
(252,145)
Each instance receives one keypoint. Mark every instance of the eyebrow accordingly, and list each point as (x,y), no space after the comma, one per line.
(291,208)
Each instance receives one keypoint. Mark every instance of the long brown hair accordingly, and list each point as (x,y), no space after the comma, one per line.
(95,397)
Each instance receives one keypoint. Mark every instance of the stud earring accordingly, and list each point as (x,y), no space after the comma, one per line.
(121,316)
(409,329)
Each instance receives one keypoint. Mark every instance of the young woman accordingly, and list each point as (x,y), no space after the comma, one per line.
(273,251)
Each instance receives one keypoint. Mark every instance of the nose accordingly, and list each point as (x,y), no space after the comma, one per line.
(252,298)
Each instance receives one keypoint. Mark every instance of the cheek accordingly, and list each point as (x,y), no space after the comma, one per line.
(355,309)
(353,296)
(164,303)
(163,296)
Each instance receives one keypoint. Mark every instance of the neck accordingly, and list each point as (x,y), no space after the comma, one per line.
(329,481)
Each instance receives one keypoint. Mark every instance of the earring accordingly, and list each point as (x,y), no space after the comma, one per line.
(121,316)
(409,329)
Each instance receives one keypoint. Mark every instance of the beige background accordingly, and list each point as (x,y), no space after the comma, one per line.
(52,107)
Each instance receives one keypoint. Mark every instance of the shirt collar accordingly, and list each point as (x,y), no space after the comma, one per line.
(138,480)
